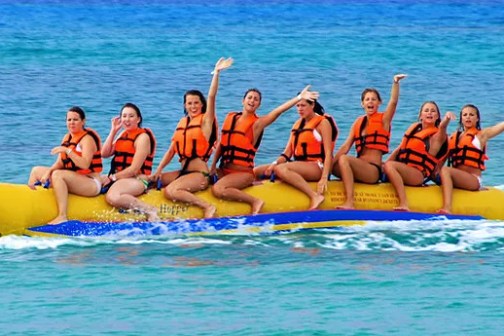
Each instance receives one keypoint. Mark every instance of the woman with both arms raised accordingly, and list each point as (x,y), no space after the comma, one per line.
(423,148)
(240,140)
(371,134)
(311,143)
(467,155)
(193,140)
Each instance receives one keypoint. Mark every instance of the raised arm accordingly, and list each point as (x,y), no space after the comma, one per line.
(443,125)
(394,98)
(209,117)
(108,146)
(269,118)
(490,132)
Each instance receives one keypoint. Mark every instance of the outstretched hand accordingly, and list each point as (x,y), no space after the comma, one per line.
(222,63)
(398,77)
(309,95)
(450,115)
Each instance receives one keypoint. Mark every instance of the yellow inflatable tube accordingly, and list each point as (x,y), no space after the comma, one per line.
(22,207)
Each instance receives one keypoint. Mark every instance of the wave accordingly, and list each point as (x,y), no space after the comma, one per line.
(406,236)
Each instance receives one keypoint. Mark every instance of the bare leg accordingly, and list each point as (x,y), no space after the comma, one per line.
(297,174)
(36,174)
(453,177)
(400,174)
(346,174)
(123,194)
(229,188)
(182,189)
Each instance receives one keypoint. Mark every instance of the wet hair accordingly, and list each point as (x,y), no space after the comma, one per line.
(78,110)
(366,90)
(438,121)
(478,125)
(201,97)
(137,110)
(253,90)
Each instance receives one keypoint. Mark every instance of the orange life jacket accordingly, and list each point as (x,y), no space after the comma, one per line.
(237,145)
(375,137)
(463,152)
(124,151)
(190,142)
(305,146)
(414,149)
(72,142)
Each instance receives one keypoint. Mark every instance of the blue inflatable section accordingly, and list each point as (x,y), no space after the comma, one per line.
(330,218)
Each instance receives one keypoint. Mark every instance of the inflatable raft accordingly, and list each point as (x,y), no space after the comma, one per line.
(26,211)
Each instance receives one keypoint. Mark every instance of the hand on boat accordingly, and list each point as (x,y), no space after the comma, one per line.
(322,186)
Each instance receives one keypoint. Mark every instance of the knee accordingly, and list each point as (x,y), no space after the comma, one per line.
(280,170)
(388,167)
(343,161)
(169,193)
(58,175)
(112,198)
(218,190)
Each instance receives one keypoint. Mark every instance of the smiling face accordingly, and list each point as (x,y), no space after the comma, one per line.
(130,118)
(75,123)
(429,114)
(469,117)
(370,101)
(193,105)
(251,101)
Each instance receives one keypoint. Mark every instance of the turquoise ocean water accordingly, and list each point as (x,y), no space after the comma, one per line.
(436,278)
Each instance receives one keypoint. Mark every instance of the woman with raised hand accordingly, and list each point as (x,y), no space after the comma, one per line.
(467,155)
(77,167)
(311,143)
(240,139)
(423,148)
(371,135)
(133,154)
(193,140)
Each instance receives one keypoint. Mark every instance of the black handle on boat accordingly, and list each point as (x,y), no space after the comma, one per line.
(159,184)
(46,184)
(272,177)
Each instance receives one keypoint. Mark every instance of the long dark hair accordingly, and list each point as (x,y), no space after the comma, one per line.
(438,121)
(478,125)
(201,97)
(366,90)
(137,110)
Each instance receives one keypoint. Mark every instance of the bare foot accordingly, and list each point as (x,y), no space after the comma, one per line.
(210,211)
(443,212)
(345,206)
(152,216)
(58,220)
(316,201)
(257,206)
(401,208)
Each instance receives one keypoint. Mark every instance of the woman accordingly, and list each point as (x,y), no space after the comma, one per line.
(312,141)
(422,149)
(193,140)
(133,153)
(467,148)
(371,134)
(77,167)
(240,140)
